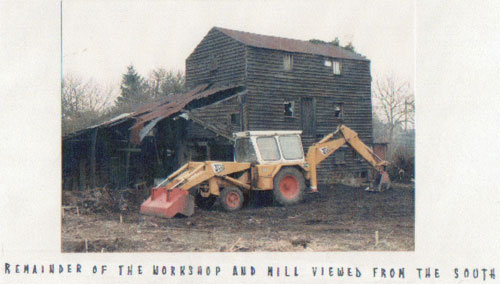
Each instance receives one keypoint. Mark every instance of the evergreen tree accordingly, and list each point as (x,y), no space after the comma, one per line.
(133,91)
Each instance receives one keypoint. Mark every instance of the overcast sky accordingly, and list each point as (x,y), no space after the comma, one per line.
(101,38)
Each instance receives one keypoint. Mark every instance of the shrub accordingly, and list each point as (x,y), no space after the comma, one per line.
(402,166)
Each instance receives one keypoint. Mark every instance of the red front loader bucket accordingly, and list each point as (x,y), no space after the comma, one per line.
(168,203)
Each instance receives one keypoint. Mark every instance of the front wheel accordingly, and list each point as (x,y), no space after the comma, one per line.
(289,186)
(231,199)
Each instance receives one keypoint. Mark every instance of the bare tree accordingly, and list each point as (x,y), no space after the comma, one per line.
(83,103)
(394,104)
(162,83)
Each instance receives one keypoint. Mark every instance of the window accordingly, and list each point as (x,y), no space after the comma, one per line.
(337,68)
(235,119)
(213,63)
(339,157)
(287,62)
(244,151)
(338,110)
(334,65)
(356,156)
(291,146)
(288,107)
(268,148)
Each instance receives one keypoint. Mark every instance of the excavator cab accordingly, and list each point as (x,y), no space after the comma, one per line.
(268,147)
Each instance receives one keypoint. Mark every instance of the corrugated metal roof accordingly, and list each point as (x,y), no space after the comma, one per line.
(290,45)
(112,120)
(152,107)
(154,112)
(171,106)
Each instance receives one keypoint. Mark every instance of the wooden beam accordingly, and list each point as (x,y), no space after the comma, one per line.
(93,158)
(200,109)
(127,165)
(216,130)
(81,177)
(135,150)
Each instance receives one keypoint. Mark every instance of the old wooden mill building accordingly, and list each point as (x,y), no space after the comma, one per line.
(236,81)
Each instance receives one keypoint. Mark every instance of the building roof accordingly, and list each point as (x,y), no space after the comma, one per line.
(291,45)
(147,116)
(169,107)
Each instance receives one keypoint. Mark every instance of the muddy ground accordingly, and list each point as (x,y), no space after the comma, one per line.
(339,218)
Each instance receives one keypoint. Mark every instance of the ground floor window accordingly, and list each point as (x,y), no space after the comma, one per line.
(338,110)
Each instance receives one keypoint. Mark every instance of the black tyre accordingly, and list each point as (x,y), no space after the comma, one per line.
(289,186)
(231,199)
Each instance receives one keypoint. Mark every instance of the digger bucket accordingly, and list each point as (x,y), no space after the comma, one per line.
(167,203)
(382,182)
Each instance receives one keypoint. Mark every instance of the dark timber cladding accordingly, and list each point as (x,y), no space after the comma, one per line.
(217,59)
(290,84)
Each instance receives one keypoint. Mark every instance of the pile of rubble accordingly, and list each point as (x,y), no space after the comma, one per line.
(104,200)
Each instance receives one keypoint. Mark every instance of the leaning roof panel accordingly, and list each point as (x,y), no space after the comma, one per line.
(170,107)
(154,112)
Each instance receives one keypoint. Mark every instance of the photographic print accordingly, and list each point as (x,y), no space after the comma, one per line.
(249,135)
(249,142)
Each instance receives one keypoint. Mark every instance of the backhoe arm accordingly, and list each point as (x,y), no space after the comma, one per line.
(327,146)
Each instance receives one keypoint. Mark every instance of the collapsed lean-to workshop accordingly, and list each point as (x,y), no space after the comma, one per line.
(236,81)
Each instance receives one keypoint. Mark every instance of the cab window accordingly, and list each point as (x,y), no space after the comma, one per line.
(268,148)
(244,151)
(291,146)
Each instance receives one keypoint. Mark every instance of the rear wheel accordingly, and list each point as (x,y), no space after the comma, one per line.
(231,199)
(289,186)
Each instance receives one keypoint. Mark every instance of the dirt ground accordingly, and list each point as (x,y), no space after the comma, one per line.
(339,218)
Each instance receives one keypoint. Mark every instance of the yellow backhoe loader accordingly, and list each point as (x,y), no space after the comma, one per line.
(263,160)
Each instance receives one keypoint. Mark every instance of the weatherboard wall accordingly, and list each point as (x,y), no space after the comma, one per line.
(269,86)
(217,59)
(217,115)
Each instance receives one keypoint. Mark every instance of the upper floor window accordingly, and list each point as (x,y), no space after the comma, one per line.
(287,62)
(213,63)
(335,66)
